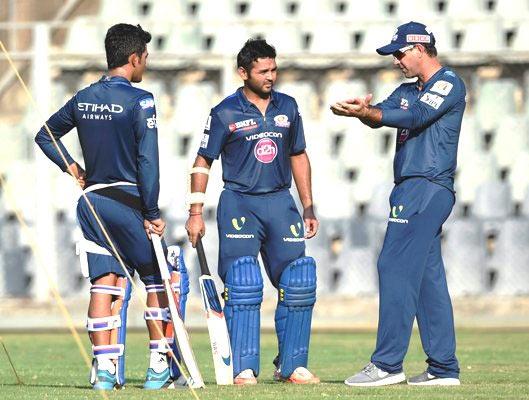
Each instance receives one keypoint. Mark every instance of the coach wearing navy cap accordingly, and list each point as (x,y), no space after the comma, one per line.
(427,114)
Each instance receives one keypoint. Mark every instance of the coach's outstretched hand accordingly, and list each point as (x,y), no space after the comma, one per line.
(194,227)
(155,226)
(356,107)
(311,223)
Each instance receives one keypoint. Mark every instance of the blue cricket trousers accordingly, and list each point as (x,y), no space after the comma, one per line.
(412,280)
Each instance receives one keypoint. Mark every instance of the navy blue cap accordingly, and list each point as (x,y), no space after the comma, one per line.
(406,34)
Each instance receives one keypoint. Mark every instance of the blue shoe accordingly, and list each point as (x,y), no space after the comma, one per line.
(104,380)
(155,380)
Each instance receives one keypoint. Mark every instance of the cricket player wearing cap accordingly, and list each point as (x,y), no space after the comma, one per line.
(427,114)
(259,134)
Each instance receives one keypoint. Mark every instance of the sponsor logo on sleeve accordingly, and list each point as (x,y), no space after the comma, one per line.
(442,87)
(404,104)
(282,121)
(204,141)
(147,103)
(265,150)
(245,125)
(208,124)
(432,100)
(151,122)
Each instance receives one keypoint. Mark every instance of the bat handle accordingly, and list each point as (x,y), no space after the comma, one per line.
(202,257)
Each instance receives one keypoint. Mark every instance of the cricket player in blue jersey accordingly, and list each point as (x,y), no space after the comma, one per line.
(427,114)
(259,134)
(116,124)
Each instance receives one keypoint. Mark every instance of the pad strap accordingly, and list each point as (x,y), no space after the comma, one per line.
(107,289)
(243,295)
(112,351)
(156,314)
(103,323)
(297,295)
(156,288)
(160,346)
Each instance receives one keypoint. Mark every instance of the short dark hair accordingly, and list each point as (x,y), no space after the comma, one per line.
(252,50)
(122,40)
(430,50)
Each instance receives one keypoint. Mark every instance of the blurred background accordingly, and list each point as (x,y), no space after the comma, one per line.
(326,52)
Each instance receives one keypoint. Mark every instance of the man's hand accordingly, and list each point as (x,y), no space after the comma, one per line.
(155,226)
(357,107)
(195,227)
(311,223)
(78,173)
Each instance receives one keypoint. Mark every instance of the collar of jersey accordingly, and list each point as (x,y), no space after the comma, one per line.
(433,78)
(245,103)
(115,79)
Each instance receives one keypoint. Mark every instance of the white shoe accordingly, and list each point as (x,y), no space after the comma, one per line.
(245,377)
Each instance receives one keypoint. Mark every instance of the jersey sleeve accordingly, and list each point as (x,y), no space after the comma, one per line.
(392,102)
(297,141)
(60,123)
(432,104)
(146,134)
(214,137)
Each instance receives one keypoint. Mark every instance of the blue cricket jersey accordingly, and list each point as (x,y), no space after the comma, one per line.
(255,148)
(428,122)
(116,124)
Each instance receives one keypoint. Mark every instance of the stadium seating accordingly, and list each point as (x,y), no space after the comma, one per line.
(511,258)
(465,270)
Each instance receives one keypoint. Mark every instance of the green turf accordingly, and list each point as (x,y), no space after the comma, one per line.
(493,366)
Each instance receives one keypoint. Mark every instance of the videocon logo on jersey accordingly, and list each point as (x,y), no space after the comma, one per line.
(238,225)
(265,150)
(295,229)
(297,233)
(395,212)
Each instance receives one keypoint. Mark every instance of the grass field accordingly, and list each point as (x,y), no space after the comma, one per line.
(493,366)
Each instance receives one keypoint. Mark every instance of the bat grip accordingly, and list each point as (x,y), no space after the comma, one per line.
(202,258)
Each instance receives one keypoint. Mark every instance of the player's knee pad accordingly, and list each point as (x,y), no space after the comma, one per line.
(297,295)
(243,295)
(116,324)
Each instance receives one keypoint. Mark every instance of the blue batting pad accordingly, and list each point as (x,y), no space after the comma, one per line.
(297,295)
(243,295)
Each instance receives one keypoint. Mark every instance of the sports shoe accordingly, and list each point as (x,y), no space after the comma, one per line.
(371,375)
(245,377)
(155,380)
(300,376)
(104,380)
(427,379)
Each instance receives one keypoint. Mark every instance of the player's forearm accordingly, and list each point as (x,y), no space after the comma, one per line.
(302,177)
(199,182)
(372,118)
(50,150)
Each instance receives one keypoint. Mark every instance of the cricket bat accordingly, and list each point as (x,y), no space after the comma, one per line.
(217,328)
(179,331)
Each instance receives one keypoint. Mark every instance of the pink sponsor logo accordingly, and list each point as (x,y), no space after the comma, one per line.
(265,150)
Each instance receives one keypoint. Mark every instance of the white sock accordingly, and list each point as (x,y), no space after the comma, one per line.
(106,364)
(158,362)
